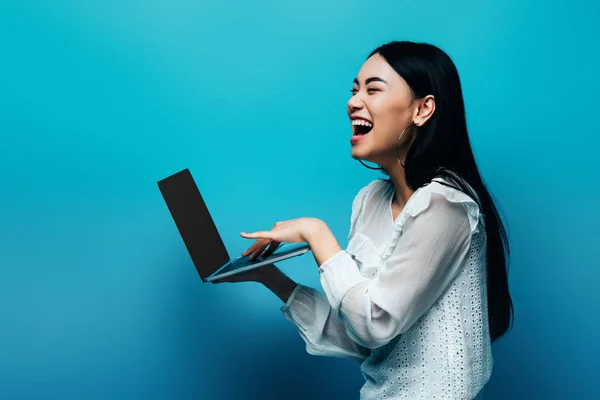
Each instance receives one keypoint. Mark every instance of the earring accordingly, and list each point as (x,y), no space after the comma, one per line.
(378,168)
(398,145)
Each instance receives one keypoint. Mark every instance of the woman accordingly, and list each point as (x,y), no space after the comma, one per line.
(421,291)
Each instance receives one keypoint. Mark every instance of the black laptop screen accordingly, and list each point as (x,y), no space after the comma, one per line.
(194,222)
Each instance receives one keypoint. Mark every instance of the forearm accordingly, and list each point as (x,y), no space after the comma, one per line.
(324,335)
(323,245)
(278,283)
(322,242)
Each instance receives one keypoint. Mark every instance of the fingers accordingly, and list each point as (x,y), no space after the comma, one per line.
(257,248)
(272,246)
(257,235)
(264,239)
(259,244)
(256,252)
(254,246)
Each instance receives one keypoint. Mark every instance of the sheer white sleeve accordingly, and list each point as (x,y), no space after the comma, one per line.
(309,311)
(423,262)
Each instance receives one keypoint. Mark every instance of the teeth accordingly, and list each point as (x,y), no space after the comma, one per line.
(361,122)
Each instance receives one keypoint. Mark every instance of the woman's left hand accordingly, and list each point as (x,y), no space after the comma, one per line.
(294,230)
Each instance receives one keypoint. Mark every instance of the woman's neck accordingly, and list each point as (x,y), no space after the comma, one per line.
(401,190)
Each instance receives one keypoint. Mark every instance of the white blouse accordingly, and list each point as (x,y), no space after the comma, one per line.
(407,298)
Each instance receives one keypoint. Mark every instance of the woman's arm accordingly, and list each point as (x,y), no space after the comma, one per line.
(425,261)
(309,311)
(278,283)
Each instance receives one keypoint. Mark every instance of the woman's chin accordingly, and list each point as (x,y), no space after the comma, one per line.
(357,155)
(365,157)
(362,157)
(359,152)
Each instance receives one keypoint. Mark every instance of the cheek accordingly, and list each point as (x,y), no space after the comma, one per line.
(387,120)
(390,117)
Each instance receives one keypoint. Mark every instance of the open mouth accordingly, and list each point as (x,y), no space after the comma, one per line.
(361,126)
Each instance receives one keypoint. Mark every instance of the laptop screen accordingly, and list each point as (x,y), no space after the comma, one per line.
(194,222)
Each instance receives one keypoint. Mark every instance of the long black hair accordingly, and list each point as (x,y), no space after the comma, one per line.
(442,148)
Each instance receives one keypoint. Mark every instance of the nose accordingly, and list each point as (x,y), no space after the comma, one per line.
(354,103)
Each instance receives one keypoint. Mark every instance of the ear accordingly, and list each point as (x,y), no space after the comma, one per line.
(425,109)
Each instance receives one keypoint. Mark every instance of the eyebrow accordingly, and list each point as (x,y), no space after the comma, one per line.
(369,80)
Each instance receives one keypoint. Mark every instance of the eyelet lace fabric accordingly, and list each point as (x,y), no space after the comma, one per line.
(446,352)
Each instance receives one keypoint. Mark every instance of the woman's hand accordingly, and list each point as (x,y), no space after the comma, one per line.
(294,230)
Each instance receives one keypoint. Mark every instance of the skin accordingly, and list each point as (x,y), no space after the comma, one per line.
(381,96)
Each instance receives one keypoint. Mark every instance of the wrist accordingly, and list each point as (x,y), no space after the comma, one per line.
(313,229)
(321,241)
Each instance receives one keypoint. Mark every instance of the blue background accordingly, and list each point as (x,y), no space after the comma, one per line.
(99,100)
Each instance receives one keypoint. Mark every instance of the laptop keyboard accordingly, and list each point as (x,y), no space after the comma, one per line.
(239,263)
(242,262)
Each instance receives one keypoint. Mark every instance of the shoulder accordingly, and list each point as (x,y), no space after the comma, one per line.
(373,189)
(367,192)
(442,199)
(437,213)
(370,189)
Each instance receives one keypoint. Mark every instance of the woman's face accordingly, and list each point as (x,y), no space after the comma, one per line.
(381,99)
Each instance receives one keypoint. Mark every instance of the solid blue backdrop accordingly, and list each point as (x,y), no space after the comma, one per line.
(100,100)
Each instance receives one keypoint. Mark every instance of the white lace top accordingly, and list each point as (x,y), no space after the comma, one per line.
(407,298)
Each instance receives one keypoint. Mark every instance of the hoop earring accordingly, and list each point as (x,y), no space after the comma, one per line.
(398,144)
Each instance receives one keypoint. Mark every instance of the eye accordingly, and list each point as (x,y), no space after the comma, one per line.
(371,90)
(353,91)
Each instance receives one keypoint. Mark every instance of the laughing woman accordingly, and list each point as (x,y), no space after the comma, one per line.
(421,291)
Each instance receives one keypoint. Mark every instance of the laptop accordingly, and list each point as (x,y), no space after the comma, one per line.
(201,236)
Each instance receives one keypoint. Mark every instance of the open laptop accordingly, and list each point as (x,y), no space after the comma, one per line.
(200,234)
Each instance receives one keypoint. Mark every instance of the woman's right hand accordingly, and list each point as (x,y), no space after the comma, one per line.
(261,247)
